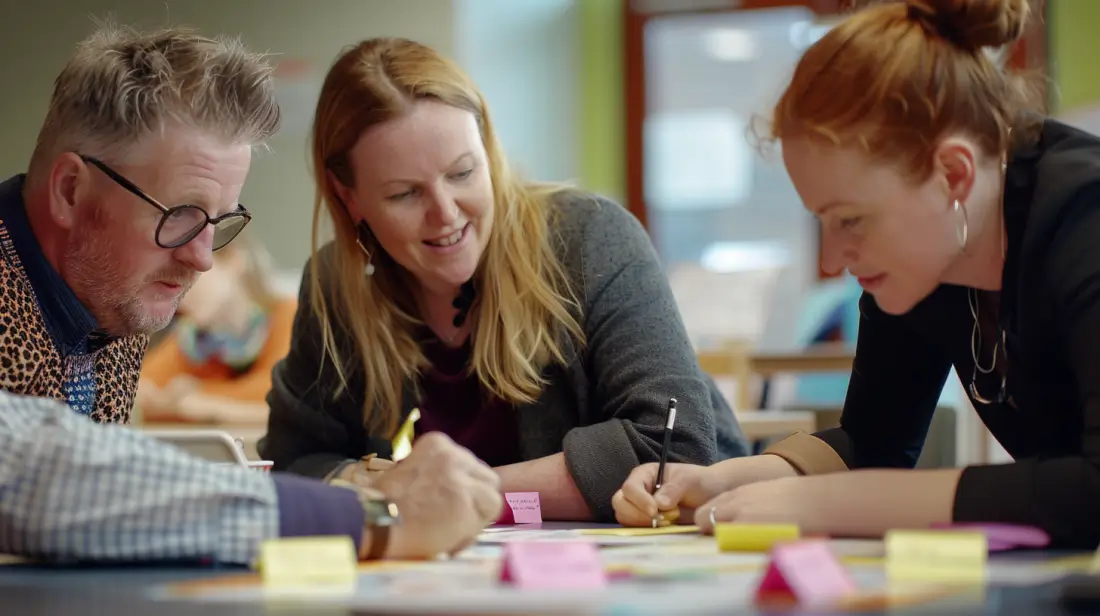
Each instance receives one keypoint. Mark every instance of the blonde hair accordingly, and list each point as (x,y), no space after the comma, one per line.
(122,85)
(524,300)
(896,77)
(257,269)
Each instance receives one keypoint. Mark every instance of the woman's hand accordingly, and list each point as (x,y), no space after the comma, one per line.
(364,473)
(790,500)
(688,487)
(862,503)
(685,487)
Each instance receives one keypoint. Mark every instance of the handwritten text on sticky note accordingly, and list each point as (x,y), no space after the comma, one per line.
(806,571)
(553,565)
(525,507)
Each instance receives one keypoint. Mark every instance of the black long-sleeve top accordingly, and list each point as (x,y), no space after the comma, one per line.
(1049,308)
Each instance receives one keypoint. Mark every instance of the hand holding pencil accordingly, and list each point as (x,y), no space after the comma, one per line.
(666,445)
(684,489)
(659,494)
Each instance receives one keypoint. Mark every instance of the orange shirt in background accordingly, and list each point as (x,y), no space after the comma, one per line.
(166,361)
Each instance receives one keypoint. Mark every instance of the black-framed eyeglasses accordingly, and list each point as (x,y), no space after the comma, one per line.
(182,223)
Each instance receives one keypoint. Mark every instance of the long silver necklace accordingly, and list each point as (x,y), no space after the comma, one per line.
(975,345)
(1000,342)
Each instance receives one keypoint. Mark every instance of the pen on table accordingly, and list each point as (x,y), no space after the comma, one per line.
(670,419)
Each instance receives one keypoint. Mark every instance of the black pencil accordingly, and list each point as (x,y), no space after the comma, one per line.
(670,420)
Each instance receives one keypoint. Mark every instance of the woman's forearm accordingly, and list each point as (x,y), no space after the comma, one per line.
(558,494)
(867,503)
(734,472)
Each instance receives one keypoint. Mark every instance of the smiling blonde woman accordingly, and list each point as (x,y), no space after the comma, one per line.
(531,323)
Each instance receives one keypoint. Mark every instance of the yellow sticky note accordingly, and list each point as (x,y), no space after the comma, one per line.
(753,537)
(402,441)
(936,556)
(1092,564)
(643,531)
(308,561)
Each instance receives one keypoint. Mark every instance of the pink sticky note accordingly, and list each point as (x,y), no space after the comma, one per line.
(525,507)
(1004,536)
(553,565)
(806,571)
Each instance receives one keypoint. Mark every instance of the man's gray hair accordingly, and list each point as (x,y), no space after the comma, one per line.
(122,85)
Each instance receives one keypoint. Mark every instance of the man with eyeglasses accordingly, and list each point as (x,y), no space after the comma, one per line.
(134,182)
(97,255)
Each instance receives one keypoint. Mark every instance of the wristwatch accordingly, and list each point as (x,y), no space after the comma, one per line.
(380,514)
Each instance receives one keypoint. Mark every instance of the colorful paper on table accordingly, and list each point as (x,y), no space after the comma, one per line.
(806,571)
(642,531)
(524,506)
(558,566)
(1004,536)
(403,440)
(753,537)
(953,556)
(308,561)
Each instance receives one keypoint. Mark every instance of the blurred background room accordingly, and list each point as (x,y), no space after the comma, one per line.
(654,103)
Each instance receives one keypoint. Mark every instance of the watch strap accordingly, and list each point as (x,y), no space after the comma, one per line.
(379,541)
(379,532)
(381,515)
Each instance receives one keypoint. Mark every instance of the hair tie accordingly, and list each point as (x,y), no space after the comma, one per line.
(934,21)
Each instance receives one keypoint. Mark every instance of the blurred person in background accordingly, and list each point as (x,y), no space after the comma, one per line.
(214,365)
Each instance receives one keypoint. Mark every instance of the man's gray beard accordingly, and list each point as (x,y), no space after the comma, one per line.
(116,307)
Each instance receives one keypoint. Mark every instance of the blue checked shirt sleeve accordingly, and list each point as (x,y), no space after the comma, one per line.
(72,489)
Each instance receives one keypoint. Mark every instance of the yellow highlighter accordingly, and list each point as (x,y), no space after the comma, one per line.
(402,441)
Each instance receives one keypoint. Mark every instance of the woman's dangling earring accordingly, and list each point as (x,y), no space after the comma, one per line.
(369,268)
(962,231)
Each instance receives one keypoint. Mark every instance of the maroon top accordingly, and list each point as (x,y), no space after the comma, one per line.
(452,402)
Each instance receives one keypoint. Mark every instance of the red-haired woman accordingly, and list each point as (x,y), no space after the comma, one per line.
(973,226)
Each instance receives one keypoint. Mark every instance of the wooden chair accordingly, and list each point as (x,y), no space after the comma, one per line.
(731,361)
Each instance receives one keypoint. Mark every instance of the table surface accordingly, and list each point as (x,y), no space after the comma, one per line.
(113,590)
